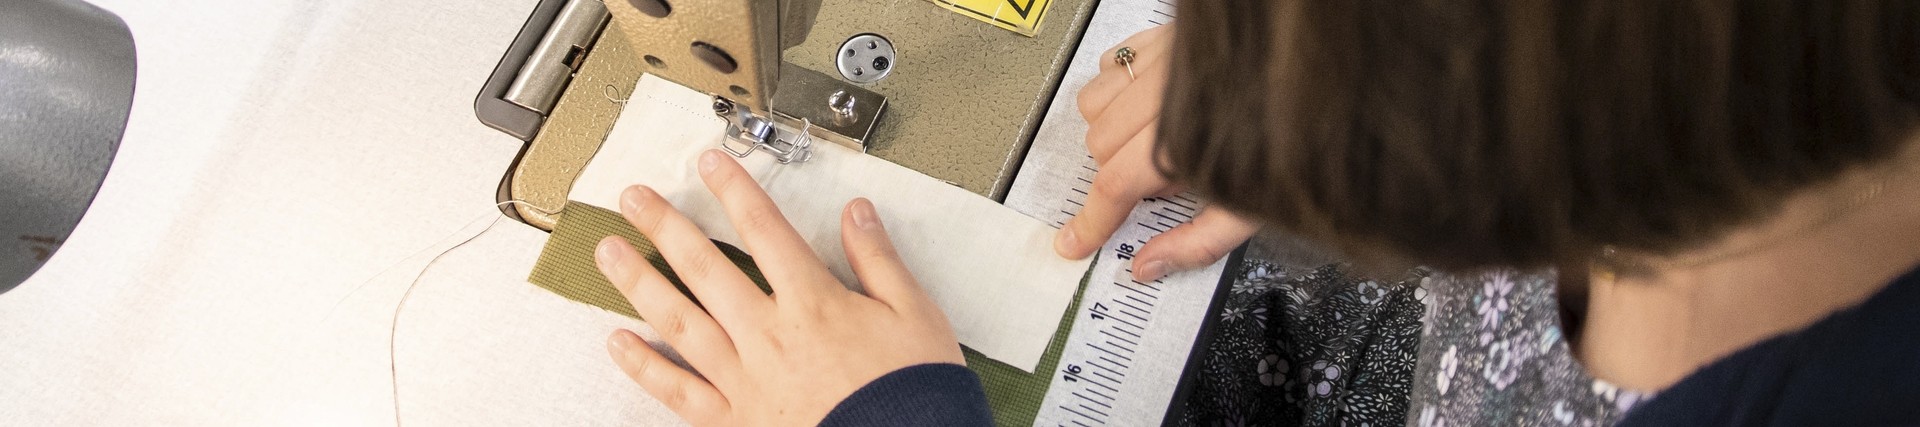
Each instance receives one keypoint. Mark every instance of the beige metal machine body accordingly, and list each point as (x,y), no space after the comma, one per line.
(959,99)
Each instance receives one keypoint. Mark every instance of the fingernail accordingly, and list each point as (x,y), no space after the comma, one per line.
(622,340)
(1065,243)
(632,199)
(708,160)
(864,216)
(611,259)
(1152,271)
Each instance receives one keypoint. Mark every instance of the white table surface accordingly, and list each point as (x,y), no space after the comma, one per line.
(281,154)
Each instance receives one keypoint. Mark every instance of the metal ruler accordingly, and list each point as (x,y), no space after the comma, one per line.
(1130,340)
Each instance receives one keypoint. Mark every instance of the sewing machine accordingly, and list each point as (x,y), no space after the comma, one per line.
(343,127)
(954,97)
(938,92)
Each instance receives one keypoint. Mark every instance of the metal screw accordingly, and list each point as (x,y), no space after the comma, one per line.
(721,106)
(841,103)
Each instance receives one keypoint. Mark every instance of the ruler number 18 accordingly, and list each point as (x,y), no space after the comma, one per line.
(1125,252)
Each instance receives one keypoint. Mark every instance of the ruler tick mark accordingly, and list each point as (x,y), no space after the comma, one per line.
(1138,300)
(1089,399)
(1138,291)
(1115,381)
(1097,393)
(1168,218)
(1103,350)
(1148,285)
(1089,417)
(1181,205)
(1097,411)
(1102,385)
(1103,367)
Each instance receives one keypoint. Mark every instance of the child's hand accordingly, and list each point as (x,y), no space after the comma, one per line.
(1122,108)
(781,359)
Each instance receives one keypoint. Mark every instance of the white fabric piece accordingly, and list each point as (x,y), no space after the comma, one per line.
(990,268)
(281,155)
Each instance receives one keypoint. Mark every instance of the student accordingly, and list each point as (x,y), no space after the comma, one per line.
(1734,186)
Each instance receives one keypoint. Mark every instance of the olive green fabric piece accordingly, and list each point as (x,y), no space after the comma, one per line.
(566,267)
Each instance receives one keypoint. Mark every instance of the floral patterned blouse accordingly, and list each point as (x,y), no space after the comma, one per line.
(1309,343)
(1493,353)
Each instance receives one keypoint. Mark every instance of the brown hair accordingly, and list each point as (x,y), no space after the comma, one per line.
(1494,132)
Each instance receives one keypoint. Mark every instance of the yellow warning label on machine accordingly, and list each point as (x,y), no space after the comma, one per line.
(1020,16)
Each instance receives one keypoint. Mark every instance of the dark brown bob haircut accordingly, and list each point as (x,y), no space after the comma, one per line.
(1469,133)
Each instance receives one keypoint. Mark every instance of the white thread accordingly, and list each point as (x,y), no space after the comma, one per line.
(396,264)
(608,91)
(393,326)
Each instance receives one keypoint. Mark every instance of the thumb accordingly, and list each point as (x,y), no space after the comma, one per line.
(1211,236)
(871,254)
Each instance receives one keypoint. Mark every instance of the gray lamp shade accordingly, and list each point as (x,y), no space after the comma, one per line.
(66,83)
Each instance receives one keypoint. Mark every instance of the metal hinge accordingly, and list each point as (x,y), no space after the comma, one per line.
(536,69)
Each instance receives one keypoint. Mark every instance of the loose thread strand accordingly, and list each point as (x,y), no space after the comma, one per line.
(393,325)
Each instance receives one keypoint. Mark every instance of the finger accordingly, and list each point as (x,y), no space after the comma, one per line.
(872,255)
(680,323)
(726,292)
(1149,67)
(1117,187)
(790,265)
(1144,137)
(1099,92)
(682,392)
(1212,234)
(1137,109)
(1113,76)
(1142,38)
